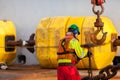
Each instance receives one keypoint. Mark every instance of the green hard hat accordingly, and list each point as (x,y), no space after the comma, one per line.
(74,28)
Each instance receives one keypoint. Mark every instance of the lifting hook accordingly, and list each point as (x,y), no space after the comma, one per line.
(99,25)
(94,36)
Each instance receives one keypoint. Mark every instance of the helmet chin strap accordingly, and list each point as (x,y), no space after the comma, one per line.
(75,36)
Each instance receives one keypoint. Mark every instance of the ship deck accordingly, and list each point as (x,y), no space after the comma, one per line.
(35,72)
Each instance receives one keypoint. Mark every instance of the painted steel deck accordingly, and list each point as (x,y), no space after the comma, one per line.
(34,72)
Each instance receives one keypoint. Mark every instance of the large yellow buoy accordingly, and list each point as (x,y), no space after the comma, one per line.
(7,32)
(51,30)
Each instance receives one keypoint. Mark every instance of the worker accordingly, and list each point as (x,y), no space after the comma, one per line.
(69,53)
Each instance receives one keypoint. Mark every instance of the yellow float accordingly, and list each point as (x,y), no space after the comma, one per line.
(7,32)
(51,30)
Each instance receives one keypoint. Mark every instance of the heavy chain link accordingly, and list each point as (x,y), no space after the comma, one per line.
(105,73)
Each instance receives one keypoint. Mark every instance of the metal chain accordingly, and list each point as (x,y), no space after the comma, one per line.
(105,73)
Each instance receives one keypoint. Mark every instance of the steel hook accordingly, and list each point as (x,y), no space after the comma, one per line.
(94,38)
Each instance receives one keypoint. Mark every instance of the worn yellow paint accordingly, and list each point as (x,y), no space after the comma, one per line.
(51,30)
(7,28)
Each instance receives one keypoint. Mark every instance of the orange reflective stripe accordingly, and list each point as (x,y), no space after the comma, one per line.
(66,56)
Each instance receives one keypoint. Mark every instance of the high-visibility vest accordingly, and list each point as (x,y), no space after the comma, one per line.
(65,53)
